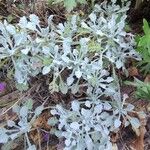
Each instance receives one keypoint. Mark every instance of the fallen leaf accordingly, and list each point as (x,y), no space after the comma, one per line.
(138,144)
(36,136)
(148,107)
(41,121)
(114,137)
(147,79)
(133,71)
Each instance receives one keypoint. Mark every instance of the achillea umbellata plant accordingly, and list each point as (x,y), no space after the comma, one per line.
(86,48)
(81,46)
(88,123)
(14,130)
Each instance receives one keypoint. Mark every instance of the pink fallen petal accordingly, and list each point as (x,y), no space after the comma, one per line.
(46,137)
(2,86)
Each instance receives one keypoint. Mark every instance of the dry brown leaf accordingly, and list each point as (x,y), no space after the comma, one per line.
(133,71)
(147,79)
(138,144)
(41,121)
(148,107)
(36,136)
(114,137)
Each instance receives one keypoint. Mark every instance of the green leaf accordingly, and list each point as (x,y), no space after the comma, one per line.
(29,103)
(47,61)
(22,87)
(81,1)
(94,46)
(70,4)
(146,27)
(39,110)
(52,121)
(144,41)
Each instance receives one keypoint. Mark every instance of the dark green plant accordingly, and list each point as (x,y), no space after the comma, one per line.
(142,89)
(144,48)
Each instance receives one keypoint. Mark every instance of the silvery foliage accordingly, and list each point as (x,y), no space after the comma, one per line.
(54,49)
(107,24)
(23,127)
(68,46)
(88,123)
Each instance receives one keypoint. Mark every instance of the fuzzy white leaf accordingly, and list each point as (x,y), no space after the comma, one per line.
(119,64)
(24,111)
(14,136)
(74,88)
(4,138)
(46,70)
(23,22)
(20,39)
(65,58)
(117,123)
(31,147)
(99,32)
(98,127)
(34,19)
(78,74)
(88,104)
(89,142)
(86,113)
(39,110)
(107,106)
(54,112)
(75,106)
(98,108)
(135,122)
(16,108)
(129,107)
(70,80)
(63,87)
(10,123)
(67,142)
(67,45)
(84,25)
(75,125)
(93,17)
(25,51)
(11,29)
(31,26)
(46,50)
(52,121)
(109,79)
(87,128)
(50,18)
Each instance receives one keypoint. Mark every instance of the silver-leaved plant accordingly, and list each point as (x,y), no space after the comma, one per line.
(23,127)
(89,123)
(78,46)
